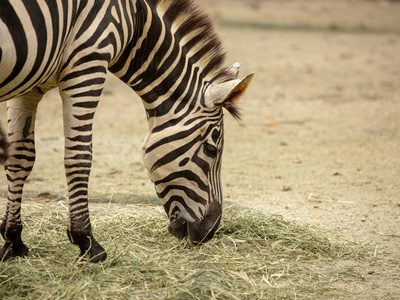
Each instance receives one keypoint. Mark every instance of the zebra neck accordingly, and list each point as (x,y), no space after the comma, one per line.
(162,70)
(172,54)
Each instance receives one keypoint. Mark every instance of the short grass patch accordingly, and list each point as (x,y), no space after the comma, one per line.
(253,256)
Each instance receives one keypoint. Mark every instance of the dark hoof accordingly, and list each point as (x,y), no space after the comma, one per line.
(94,254)
(90,248)
(11,250)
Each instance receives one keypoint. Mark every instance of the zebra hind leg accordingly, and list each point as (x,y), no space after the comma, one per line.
(21,119)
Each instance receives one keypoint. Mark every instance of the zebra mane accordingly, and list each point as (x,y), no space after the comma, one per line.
(196,28)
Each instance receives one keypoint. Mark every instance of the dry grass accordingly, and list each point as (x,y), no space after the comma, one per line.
(253,256)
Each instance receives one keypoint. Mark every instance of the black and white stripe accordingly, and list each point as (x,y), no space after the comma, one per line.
(168,53)
(3,147)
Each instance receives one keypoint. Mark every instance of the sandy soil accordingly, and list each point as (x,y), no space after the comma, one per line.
(320,138)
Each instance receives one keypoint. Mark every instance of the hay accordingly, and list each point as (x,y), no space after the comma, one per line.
(252,256)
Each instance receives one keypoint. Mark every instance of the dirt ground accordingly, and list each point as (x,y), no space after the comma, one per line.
(320,138)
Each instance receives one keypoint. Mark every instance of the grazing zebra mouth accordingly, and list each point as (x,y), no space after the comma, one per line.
(198,232)
(178,227)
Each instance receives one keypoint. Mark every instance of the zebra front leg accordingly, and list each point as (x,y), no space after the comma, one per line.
(21,118)
(78,118)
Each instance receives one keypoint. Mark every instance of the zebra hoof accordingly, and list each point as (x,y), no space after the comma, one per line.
(90,249)
(94,254)
(9,251)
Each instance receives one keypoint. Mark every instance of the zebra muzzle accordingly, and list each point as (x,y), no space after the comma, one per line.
(198,232)
(178,227)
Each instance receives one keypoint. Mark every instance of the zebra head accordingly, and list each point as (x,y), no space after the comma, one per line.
(183,159)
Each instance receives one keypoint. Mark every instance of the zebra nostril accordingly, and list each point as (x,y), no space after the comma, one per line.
(178,227)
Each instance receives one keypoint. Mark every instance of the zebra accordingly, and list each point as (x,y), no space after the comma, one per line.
(3,147)
(168,52)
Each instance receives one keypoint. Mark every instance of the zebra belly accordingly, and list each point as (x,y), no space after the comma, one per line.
(29,50)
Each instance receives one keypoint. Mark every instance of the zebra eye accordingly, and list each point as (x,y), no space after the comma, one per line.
(210,150)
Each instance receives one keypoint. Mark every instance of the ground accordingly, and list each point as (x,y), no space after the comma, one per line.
(320,138)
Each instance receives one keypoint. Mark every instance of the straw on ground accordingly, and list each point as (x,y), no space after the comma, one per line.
(253,256)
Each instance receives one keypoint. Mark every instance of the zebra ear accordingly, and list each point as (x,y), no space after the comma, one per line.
(234,70)
(227,93)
